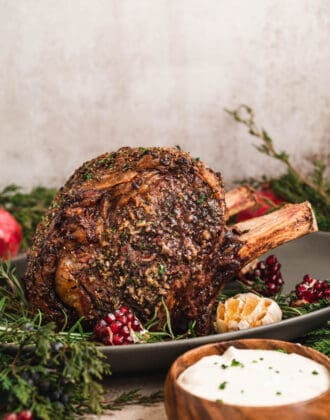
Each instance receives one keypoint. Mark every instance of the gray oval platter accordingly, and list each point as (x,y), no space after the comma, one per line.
(307,255)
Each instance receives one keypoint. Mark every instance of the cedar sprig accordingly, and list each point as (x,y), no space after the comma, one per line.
(318,339)
(48,373)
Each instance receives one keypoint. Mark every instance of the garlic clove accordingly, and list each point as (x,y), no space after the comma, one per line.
(246,310)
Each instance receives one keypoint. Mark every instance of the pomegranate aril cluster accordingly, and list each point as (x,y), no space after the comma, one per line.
(311,290)
(266,278)
(23,415)
(118,328)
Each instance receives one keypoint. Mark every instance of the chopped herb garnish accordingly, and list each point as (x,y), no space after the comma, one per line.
(161,269)
(254,361)
(224,366)
(278,393)
(277,371)
(219,401)
(261,358)
(235,363)
(143,149)
(223,385)
(270,367)
(197,158)
(202,199)
(89,176)
(315,372)
(281,350)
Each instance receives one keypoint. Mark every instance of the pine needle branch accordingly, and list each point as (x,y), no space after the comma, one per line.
(132,398)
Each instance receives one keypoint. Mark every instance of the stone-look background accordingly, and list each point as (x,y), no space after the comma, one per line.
(81,77)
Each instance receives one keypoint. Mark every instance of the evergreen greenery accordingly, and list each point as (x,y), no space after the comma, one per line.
(27,208)
(293,186)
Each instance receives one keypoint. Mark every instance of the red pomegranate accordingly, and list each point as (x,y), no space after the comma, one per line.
(265,201)
(10,235)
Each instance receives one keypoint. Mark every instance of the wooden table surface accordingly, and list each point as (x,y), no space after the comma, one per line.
(146,384)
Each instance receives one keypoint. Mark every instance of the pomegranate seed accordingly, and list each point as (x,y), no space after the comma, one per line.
(273,278)
(122,319)
(301,287)
(130,316)
(125,331)
(277,267)
(11,416)
(318,285)
(109,318)
(25,415)
(269,272)
(311,290)
(271,286)
(116,326)
(118,340)
(271,260)
(136,326)
(308,279)
(261,265)
(124,310)
(308,295)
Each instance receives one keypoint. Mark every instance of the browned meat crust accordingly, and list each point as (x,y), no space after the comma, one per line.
(134,227)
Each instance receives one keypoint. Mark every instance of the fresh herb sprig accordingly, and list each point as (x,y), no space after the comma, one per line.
(12,293)
(49,373)
(27,208)
(155,332)
(131,398)
(318,339)
(294,186)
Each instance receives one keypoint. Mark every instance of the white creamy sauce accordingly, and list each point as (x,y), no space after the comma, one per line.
(256,378)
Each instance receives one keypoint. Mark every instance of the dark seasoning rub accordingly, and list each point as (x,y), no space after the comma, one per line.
(133,227)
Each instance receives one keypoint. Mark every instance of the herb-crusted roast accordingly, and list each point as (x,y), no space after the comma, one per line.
(138,227)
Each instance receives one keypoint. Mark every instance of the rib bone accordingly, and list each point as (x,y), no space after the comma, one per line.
(239,199)
(261,234)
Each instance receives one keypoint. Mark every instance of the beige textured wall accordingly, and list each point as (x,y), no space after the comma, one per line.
(80,77)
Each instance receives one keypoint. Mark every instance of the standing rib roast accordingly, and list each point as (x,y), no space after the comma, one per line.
(144,226)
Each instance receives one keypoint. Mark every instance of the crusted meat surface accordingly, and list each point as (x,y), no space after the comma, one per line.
(137,227)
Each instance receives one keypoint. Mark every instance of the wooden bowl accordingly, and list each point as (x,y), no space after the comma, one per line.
(182,405)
